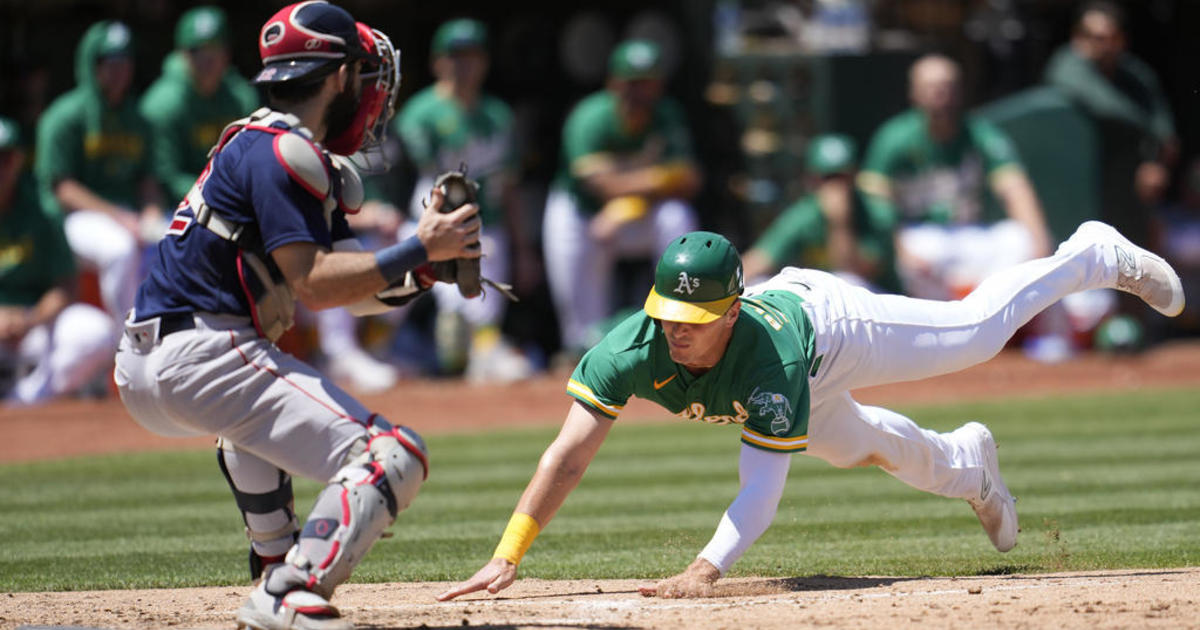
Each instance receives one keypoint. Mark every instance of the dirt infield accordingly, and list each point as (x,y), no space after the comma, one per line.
(1100,599)
(1093,600)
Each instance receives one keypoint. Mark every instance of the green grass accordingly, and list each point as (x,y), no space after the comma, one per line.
(1104,482)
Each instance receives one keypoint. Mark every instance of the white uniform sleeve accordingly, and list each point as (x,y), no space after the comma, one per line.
(763,475)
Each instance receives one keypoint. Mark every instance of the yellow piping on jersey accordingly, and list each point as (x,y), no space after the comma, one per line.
(583,392)
(797,443)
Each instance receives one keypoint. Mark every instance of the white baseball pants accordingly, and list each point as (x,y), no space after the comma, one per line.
(865,339)
(60,357)
(222,378)
(959,257)
(105,246)
(274,414)
(579,270)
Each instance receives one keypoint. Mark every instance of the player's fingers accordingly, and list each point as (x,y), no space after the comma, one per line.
(464,213)
(436,199)
(471,225)
(470,586)
(648,590)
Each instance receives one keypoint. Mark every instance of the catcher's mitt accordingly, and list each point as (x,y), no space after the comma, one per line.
(465,272)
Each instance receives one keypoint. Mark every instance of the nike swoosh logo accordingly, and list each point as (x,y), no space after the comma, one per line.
(986,488)
(663,383)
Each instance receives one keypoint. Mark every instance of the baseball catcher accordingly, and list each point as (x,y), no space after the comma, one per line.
(263,226)
(778,361)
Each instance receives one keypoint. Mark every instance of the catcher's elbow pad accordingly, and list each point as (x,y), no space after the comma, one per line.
(353,511)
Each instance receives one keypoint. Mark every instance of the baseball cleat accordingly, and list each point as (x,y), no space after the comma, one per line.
(995,507)
(1142,272)
(297,610)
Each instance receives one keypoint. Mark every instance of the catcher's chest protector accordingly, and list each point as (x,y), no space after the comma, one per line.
(331,179)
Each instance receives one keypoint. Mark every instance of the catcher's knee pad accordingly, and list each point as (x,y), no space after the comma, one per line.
(264,496)
(352,512)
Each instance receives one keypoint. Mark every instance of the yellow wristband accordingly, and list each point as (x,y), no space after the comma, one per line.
(625,209)
(519,534)
(669,178)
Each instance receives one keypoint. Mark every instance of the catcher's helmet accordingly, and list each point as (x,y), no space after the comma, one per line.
(306,41)
(381,82)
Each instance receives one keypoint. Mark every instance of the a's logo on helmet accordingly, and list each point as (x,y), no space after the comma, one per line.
(272,33)
(313,44)
(687,284)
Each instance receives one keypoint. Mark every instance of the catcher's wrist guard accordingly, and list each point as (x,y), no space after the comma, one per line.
(395,261)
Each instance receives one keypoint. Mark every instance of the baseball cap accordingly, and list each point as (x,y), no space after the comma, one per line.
(459,34)
(10,134)
(831,153)
(116,41)
(635,59)
(201,25)
(697,279)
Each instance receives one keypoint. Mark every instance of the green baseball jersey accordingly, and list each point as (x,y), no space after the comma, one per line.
(594,130)
(931,181)
(80,136)
(186,125)
(34,256)
(799,237)
(761,383)
(110,159)
(439,134)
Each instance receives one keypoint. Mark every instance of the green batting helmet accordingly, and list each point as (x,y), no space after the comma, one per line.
(697,279)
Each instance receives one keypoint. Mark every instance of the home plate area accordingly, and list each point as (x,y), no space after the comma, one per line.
(1166,598)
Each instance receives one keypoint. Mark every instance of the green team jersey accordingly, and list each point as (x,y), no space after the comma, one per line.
(440,135)
(80,136)
(761,383)
(593,131)
(186,125)
(34,256)
(799,237)
(931,181)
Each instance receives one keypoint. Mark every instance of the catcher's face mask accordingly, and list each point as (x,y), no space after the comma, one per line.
(380,84)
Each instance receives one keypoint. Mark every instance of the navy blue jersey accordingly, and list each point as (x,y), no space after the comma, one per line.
(196,270)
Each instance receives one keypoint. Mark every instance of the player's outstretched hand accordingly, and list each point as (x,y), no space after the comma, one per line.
(495,576)
(450,235)
(696,581)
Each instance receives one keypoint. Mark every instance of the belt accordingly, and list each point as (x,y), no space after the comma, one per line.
(175,322)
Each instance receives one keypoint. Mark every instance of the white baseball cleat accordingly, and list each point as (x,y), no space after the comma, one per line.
(363,372)
(1141,272)
(995,507)
(298,610)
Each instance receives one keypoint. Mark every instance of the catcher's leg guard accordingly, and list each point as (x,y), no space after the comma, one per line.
(264,495)
(352,512)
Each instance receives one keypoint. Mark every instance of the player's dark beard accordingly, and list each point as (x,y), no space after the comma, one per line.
(342,112)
